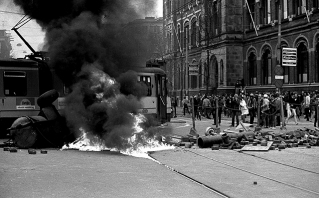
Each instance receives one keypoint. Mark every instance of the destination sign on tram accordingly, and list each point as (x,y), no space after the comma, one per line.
(289,57)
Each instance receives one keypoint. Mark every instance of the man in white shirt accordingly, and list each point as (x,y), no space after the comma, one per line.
(307,106)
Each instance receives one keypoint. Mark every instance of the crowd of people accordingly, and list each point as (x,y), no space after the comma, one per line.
(263,108)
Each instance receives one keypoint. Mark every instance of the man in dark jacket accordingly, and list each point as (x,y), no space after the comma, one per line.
(252,105)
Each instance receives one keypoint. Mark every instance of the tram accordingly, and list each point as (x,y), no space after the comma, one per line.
(156,103)
(23,81)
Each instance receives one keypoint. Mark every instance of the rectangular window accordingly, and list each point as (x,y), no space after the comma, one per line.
(269,71)
(15,83)
(315,4)
(304,6)
(147,81)
(268,11)
(286,76)
(285,8)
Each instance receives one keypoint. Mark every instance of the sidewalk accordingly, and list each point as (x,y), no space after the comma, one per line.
(201,125)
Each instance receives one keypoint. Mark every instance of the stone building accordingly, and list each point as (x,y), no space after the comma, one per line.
(299,29)
(208,34)
(5,46)
(232,40)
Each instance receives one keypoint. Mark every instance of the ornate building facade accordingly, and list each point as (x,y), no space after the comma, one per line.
(299,29)
(233,40)
(204,33)
(5,46)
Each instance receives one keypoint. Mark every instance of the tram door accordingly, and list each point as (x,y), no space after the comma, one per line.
(161,97)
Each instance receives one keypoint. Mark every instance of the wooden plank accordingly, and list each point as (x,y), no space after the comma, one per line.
(257,148)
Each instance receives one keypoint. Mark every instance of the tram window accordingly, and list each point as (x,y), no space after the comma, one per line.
(15,83)
(147,81)
(66,90)
(163,86)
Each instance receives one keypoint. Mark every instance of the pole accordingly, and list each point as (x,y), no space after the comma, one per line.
(193,111)
(258,112)
(216,115)
(207,72)
(279,63)
(186,65)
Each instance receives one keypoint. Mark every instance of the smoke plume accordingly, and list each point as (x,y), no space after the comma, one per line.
(89,54)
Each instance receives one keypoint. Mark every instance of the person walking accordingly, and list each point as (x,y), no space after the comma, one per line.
(174,106)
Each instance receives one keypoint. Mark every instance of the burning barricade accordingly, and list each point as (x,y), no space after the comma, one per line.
(47,129)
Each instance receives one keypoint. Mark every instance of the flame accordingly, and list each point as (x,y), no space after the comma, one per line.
(86,143)
(140,144)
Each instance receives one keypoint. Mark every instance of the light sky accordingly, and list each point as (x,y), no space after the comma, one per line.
(10,15)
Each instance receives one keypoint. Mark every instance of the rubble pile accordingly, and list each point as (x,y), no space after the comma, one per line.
(256,139)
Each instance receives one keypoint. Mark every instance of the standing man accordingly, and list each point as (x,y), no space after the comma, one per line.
(277,105)
(174,105)
(252,107)
(307,106)
(235,110)
(265,111)
(206,106)
(196,104)
(185,105)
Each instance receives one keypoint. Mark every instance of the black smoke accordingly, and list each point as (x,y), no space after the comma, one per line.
(87,49)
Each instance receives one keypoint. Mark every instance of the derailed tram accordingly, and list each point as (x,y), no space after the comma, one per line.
(23,81)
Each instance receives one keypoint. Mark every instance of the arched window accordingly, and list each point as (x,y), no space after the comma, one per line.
(215,19)
(194,33)
(221,82)
(179,77)
(266,67)
(194,77)
(216,74)
(179,37)
(186,35)
(252,69)
(302,63)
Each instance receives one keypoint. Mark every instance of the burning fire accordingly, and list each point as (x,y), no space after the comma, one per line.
(140,145)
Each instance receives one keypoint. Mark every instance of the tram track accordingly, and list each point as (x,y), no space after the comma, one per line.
(210,188)
(269,160)
(254,173)
(305,154)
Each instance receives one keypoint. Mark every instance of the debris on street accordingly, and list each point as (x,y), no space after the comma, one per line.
(255,139)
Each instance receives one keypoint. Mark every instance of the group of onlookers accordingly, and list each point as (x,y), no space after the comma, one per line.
(266,106)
